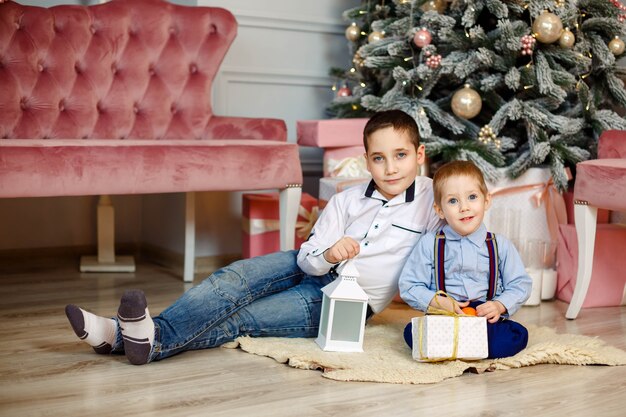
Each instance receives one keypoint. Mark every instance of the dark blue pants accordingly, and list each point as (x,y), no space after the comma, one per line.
(504,338)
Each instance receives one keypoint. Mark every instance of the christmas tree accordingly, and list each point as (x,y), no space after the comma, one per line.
(504,83)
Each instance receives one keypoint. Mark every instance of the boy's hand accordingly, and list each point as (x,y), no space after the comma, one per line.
(344,248)
(448,304)
(492,310)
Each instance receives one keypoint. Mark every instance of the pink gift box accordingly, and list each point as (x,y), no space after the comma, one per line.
(260,224)
(608,281)
(333,133)
(348,161)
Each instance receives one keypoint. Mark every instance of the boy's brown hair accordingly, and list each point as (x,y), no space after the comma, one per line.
(397,119)
(455,169)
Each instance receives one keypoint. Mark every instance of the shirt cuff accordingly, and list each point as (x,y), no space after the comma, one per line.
(508,303)
(317,260)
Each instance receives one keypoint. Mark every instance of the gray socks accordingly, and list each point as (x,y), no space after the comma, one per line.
(98,332)
(137,327)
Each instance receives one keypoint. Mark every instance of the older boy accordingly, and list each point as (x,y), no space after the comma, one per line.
(280,294)
(471,265)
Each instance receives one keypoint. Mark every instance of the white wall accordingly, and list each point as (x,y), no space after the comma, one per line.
(277,67)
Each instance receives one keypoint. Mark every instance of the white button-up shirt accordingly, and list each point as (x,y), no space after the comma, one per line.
(386,231)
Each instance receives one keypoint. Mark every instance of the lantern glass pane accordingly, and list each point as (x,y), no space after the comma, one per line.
(324,316)
(347,318)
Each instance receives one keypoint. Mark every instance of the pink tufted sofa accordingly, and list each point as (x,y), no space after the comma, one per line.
(116,99)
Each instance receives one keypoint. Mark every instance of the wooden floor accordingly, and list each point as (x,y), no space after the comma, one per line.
(45,370)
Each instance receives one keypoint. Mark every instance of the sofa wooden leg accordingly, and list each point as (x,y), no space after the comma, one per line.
(289,202)
(190,237)
(585,217)
(106,261)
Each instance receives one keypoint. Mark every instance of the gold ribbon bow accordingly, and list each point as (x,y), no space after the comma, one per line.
(546,194)
(350,167)
(303,228)
(440,311)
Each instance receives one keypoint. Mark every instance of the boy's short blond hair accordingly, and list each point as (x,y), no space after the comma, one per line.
(456,169)
(398,120)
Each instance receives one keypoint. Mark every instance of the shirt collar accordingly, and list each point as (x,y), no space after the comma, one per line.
(409,193)
(477,238)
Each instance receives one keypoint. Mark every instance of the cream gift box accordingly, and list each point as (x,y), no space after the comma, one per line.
(442,337)
(329,186)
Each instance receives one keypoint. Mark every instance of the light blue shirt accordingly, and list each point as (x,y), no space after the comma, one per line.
(466,271)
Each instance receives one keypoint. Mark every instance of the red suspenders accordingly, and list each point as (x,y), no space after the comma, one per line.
(440,276)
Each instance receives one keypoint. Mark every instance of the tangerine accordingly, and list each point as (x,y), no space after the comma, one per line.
(470,311)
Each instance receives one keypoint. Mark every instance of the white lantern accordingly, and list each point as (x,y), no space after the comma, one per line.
(344,310)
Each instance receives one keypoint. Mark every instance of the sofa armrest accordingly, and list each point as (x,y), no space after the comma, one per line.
(223,127)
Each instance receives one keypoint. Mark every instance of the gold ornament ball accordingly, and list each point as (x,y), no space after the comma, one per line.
(616,46)
(466,103)
(437,5)
(353,32)
(547,27)
(375,36)
(567,39)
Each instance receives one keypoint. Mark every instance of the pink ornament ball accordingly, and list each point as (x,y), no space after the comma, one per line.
(422,38)
(344,92)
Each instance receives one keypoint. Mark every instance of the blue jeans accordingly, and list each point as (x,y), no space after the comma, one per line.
(263,296)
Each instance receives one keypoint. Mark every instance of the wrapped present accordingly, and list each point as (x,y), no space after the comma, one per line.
(261,225)
(608,281)
(444,337)
(348,162)
(333,133)
(329,186)
(530,200)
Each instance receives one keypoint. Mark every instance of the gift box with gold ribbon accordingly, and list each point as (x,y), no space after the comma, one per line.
(345,162)
(261,225)
(449,337)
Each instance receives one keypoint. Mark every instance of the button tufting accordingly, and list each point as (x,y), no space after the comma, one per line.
(62,105)
(173,31)
(100,107)
(151,70)
(92,29)
(40,67)
(24,103)
(174,109)
(136,108)
(193,68)
(114,68)
(78,69)
(212,29)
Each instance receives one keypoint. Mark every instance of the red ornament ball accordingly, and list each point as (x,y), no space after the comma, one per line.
(344,92)
(422,38)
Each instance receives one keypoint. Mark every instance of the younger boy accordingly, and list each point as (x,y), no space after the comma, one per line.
(496,291)
(280,294)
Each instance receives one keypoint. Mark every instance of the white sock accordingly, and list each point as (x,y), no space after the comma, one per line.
(99,332)
(136,326)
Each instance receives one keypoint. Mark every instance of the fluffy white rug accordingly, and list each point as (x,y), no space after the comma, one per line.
(388,359)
